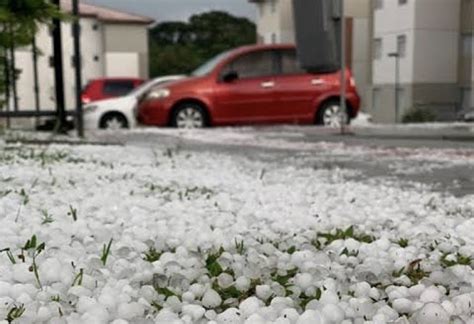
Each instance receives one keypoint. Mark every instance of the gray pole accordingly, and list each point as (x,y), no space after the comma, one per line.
(397,82)
(7,84)
(36,77)
(78,67)
(13,79)
(59,73)
(343,68)
(396,56)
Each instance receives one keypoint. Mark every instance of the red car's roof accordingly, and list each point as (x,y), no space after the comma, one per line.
(116,79)
(264,47)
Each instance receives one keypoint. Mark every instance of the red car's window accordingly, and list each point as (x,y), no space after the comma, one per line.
(118,88)
(252,65)
(288,63)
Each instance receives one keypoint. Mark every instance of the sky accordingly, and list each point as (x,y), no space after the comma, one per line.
(165,10)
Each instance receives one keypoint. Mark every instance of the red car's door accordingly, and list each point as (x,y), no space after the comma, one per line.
(247,96)
(296,90)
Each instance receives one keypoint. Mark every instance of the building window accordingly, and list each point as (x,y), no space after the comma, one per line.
(274,38)
(378,4)
(273,5)
(402,2)
(95,27)
(96,58)
(378,48)
(467,45)
(402,45)
(262,9)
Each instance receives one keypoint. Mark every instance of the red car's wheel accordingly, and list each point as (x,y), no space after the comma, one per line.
(189,115)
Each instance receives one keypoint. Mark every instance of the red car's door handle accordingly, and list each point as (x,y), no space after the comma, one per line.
(269,84)
(317,82)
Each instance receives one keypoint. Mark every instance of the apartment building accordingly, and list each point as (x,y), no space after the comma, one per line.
(432,40)
(275,24)
(113,44)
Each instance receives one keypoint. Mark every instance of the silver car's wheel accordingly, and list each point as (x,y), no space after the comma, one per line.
(332,115)
(113,122)
(189,116)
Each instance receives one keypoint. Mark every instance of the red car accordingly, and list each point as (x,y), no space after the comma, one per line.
(261,84)
(100,89)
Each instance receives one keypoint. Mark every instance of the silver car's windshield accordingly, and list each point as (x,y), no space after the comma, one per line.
(210,65)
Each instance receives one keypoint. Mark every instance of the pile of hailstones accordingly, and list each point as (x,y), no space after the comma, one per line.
(279,283)
(297,281)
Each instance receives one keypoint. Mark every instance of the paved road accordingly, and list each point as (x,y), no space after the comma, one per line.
(447,166)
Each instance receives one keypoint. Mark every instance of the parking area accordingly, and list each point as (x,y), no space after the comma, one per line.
(443,165)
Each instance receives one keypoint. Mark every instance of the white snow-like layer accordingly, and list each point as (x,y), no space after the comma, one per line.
(201,238)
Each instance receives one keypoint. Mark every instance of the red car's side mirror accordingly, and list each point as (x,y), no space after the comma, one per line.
(230,77)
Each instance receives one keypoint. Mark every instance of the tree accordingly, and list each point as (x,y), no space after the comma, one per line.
(178,47)
(19,22)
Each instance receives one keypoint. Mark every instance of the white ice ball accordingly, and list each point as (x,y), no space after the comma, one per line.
(432,313)
(211,299)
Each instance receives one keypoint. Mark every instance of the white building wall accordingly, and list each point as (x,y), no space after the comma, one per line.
(96,62)
(269,19)
(432,31)
(393,18)
(122,64)
(391,21)
(435,57)
(92,47)
(384,68)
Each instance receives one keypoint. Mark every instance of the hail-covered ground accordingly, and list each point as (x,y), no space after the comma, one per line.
(112,234)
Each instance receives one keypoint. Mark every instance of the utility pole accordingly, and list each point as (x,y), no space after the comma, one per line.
(78,67)
(7,83)
(36,78)
(13,76)
(396,56)
(343,109)
(61,126)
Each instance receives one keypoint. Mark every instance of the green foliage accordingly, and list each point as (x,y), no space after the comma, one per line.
(284,280)
(239,247)
(212,266)
(152,255)
(304,300)
(339,234)
(9,255)
(226,293)
(403,242)
(36,248)
(73,213)
(47,218)
(15,313)
(459,259)
(78,278)
(106,252)
(179,48)
(413,271)
(418,115)
(165,292)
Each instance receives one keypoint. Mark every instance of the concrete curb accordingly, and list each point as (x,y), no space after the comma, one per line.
(445,133)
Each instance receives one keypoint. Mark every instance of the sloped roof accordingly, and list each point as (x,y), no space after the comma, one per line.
(106,14)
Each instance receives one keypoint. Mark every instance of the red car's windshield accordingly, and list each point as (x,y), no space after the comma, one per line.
(210,65)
